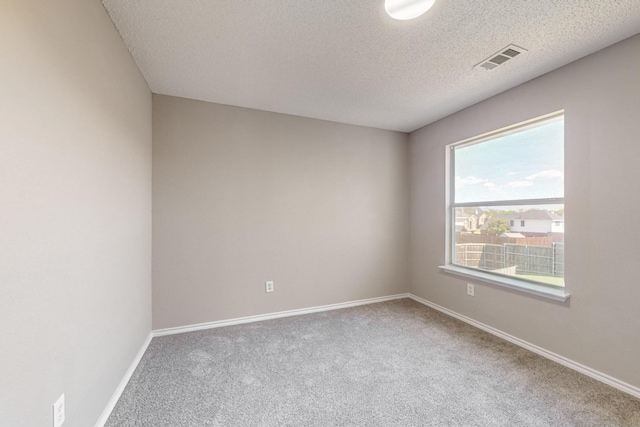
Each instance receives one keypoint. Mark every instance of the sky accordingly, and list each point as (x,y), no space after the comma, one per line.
(524,165)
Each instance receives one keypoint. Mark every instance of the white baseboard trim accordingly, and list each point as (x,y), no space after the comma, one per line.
(604,378)
(269,316)
(127,376)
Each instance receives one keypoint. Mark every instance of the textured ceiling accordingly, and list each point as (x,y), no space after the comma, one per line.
(347,61)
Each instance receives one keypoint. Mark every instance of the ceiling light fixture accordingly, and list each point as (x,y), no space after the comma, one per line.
(407,9)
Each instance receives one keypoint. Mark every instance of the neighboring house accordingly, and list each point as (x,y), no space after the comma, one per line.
(534,223)
(482,219)
(465,221)
(469,222)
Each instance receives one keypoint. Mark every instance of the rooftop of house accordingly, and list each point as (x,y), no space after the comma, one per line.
(539,215)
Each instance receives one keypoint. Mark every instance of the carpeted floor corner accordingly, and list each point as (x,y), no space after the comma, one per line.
(396,363)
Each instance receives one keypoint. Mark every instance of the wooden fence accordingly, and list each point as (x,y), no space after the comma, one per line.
(527,259)
(495,240)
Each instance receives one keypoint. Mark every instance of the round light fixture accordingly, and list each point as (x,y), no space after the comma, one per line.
(407,9)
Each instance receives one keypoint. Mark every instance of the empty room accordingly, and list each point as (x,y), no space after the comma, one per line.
(319,213)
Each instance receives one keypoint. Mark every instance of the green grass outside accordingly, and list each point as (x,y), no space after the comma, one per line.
(557,281)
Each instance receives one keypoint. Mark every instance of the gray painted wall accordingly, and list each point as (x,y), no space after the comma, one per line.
(75,210)
(243,196)
(599,327)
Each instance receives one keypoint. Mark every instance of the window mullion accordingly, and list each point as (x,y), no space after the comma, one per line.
(518,202)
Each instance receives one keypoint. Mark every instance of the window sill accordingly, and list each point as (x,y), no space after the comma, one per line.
(553,293)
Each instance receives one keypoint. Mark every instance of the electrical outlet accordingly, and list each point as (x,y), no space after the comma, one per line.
(58,412)
(268,286)
(471,289)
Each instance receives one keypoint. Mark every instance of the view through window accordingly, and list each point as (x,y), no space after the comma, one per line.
(507,202)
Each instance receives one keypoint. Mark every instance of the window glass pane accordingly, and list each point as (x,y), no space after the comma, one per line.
(492,238)
(527,164)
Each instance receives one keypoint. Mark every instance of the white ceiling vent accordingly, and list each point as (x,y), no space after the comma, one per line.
(500,57)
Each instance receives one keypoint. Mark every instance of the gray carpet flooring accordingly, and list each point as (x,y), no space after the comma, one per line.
(395,363)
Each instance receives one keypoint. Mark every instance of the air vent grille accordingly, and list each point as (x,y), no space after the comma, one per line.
(511,53)
(500,57)
(488,65)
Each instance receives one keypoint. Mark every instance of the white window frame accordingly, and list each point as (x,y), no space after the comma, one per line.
(556,293)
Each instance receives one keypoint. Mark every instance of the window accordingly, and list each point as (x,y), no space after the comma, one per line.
(513,174)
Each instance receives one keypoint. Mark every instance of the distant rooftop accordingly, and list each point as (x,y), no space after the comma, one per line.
(532,215)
